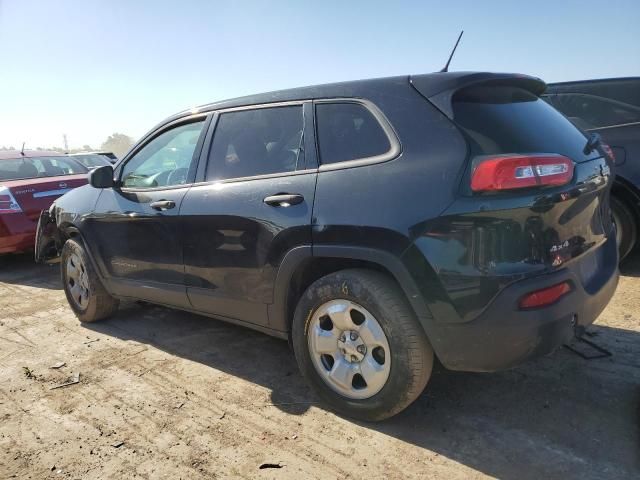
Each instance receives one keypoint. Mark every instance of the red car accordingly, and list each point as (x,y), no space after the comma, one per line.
(29,182)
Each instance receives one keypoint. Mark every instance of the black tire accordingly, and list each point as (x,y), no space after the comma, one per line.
(626,226)
(99,304)
(411,353)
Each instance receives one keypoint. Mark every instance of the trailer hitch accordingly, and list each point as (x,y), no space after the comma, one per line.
(580,333)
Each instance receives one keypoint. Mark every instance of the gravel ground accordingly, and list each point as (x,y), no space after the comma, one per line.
(165,394)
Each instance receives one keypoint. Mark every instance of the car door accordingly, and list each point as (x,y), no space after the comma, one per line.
(135,226)
(254,204)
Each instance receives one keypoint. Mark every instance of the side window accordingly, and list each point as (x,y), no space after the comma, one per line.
(590,111)
(348,131)
(256,142)
(34,167)
(165,160)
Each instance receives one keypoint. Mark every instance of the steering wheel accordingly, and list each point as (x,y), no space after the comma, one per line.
(178,176)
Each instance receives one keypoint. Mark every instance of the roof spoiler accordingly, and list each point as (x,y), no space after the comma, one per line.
(439,88)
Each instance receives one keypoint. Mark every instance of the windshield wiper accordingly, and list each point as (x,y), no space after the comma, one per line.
(594,140)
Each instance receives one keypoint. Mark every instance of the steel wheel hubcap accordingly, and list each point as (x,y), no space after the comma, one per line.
(77,281)
(349,349)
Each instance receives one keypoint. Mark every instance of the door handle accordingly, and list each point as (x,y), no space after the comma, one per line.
(284,199)
(163,205)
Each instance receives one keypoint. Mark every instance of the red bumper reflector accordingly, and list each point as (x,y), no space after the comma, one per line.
(546,296)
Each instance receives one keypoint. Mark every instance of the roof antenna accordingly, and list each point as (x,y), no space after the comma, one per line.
(22,151)
(446,67)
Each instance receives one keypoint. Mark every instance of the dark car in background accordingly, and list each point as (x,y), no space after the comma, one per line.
(92,160)
(376,224)
(29,182)
(611,108)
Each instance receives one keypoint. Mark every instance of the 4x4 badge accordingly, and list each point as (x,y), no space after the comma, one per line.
(559,246)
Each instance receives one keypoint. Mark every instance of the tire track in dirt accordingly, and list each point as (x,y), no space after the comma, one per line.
(167,383)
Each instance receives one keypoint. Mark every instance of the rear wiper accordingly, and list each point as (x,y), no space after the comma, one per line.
(593,141)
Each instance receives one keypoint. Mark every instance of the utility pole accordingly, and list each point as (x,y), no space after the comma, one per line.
(64,139)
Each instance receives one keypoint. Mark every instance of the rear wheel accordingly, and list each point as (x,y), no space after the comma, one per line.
(359,344)
(85,293)
(626,226)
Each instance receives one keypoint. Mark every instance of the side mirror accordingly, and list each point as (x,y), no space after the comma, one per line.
(101,177)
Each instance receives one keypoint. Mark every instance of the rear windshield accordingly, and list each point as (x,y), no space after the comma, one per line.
(37,167)
(500,120)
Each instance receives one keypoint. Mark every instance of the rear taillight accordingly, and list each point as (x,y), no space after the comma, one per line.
(544,297)
(507,172)
(8,204)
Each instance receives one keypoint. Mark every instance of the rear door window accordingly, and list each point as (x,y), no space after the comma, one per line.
(348,131)
(499,120)
(261,141)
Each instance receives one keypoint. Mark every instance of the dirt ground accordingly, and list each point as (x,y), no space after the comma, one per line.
(165,394)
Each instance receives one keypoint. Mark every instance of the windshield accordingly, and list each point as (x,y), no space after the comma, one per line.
(38,167)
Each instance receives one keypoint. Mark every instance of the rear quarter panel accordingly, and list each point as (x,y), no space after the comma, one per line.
(379,205)
(482,244)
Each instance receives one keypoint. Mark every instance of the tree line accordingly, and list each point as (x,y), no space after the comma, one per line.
(118,143)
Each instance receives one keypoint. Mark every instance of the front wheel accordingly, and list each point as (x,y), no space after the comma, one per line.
(85,293)
(359,344)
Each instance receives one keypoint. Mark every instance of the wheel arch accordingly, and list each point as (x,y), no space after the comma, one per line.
(66,231)
(302,265)
(628,192)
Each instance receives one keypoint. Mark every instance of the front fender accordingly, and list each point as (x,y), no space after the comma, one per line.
(62,220)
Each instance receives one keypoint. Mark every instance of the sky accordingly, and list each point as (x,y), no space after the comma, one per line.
(90,68)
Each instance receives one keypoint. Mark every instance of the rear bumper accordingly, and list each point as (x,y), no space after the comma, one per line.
(504,336)
(17,233)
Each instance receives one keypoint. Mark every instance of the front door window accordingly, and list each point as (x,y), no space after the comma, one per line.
(165,161)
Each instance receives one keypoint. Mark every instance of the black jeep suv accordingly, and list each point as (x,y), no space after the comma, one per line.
(376,224)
